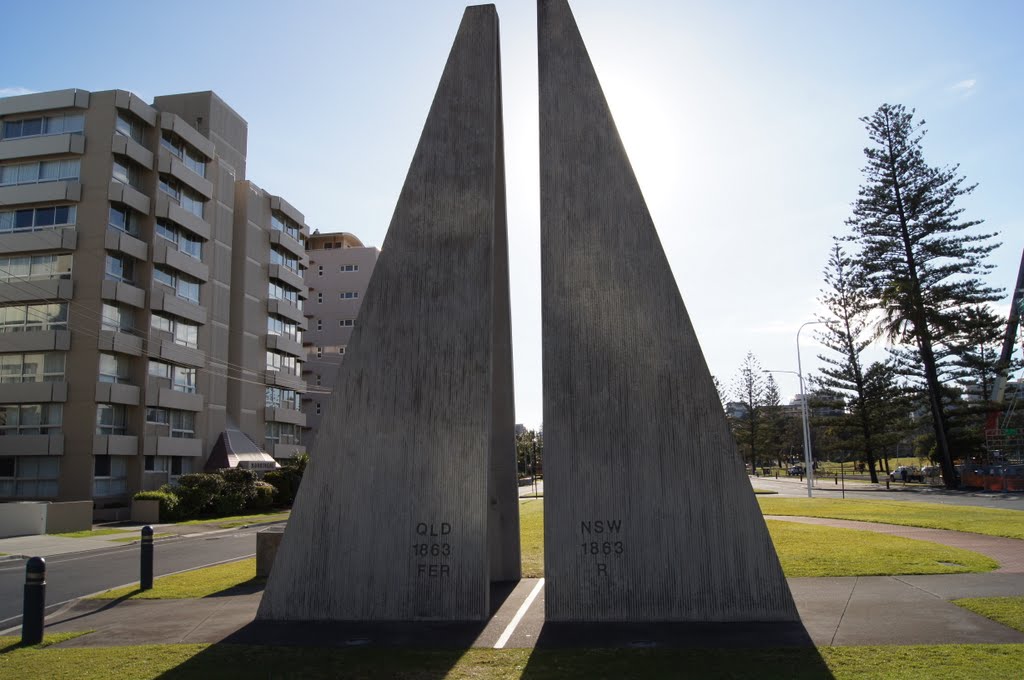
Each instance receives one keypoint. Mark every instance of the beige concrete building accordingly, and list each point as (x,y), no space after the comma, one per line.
(340,267)
(150,297)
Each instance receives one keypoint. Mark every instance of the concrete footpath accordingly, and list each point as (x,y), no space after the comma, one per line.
(879,610)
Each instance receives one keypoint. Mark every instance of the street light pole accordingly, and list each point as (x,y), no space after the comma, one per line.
(808,458)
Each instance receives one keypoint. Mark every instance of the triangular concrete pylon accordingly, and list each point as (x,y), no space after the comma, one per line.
(649,515)
(409,507)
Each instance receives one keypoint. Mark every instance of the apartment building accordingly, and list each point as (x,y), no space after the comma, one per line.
(339,270)
(120,302)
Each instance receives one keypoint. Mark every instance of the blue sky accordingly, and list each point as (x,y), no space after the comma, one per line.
(740,119)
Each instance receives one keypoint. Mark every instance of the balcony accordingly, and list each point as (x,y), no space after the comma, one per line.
(119,291)
(285,241)
(49,145)
(160,445)
(33,393)
(288,450)
(174,123)
(162,347)
(45,101)
(36,341)
(168,164)
(163,299)
(276,271)
(45,192)
(126,146)
(288,210)
(165,252)
(26,291)
(32,445)
(168,209)
(123,343)
(285,345)
(165,397)
(65,238)
(288,311)
(115,445)
(119,241)
(284,415)
(117,393)
(286,380)
(130,196)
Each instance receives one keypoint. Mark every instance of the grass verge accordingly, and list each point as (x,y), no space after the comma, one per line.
(129,539)
(765,492)
(988,521)
(228,662)
(242,520)
(191,584)
(1008,611)
(93,533)
(9,643)
(531,537)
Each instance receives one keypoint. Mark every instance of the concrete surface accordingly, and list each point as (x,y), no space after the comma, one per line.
(648,513)
(409,509)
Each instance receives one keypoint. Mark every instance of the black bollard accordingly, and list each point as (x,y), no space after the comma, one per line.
(146,563)
(35,602)
(886,482)
(837,480)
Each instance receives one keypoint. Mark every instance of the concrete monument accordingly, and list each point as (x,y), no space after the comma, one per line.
(649,515)
(409,507)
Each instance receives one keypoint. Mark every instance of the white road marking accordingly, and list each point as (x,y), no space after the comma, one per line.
(511,627)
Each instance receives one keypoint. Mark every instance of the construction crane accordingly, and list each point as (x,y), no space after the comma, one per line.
(1000,435)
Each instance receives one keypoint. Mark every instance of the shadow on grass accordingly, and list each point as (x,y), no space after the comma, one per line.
(315,649)
(253,585)
(676,650)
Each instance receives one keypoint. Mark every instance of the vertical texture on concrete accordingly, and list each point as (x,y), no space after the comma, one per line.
(648,512)
(398,516)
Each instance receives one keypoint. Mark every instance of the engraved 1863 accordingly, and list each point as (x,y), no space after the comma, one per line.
(433,543)
(602,538)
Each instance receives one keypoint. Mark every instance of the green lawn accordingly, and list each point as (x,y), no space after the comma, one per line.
(191,584)
(989,521)
(1008,611)
(129,539)
(93,533)
(230,662)
(531,537)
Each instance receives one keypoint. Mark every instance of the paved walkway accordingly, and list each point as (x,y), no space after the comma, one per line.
(845,611)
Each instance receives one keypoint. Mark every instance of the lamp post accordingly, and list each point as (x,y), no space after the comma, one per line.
(804,413)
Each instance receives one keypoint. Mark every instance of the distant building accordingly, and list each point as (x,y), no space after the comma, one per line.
(150,298)
(340,267)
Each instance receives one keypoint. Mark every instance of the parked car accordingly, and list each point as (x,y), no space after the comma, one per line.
(912,474)
(796,471)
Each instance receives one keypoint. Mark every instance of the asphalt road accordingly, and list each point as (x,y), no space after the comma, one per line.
(73,575)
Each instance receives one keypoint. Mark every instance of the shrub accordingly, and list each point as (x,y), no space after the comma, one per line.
(197,492)
(263,499)
(284,489)
(168,503)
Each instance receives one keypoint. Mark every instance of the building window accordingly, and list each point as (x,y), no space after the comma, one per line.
(32,219)
(175,466)
(346,323)
(318,380)
(127,172)
(192,159)
(182,378)
(131,126)
(35,267)
(40,317)
(36,173)
(281,433)
(185,287)
(279,397)
(341,350)
(183,196)
(180,424)
(319,352)
(35,367)
(318,408)
(120,267)
(319,298)
(110,476)
(287,260)
(283,224)
(319,270)
(277,325)
(22,419)
(319,324)
(283,362)
(123,218)
(184,333)
(111,419)
(118,318)
(349,294)
(29,476)
(185,242)
(62,123)
(349,267)
(280,291)
(115,368)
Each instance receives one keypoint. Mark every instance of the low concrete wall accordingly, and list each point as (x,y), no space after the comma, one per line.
(267,542)
(68,516)
(146,512)
(22,519)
